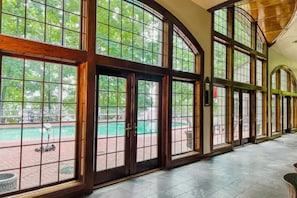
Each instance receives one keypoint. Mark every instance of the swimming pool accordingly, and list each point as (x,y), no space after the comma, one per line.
(104,129)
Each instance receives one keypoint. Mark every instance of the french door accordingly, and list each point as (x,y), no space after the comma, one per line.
(241,119)
(286,114)
(127,124)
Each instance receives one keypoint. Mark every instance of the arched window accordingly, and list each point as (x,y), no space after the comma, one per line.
(242,27)
(184,57)
(130,31)
(239,77)
(284,100)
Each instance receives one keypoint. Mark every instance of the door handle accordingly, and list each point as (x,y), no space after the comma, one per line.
(128,129)
(135,132)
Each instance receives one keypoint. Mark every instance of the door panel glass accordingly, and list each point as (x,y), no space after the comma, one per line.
(285,114)
(147,120)
(111,122)
(236,116)
(219,115)
(259,114)
(245,115)
(182,117)
(273,113)
(292,113)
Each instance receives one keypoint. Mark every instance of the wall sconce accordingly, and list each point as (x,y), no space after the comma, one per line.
(207,92)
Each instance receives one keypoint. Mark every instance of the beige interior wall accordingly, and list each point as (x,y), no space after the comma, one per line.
(198,22)
(276,59)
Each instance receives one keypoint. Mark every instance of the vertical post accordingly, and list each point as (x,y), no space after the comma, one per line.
(87,74)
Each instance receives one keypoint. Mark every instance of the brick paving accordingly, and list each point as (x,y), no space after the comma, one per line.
(43,168)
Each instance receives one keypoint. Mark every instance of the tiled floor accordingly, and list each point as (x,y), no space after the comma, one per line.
(251,171)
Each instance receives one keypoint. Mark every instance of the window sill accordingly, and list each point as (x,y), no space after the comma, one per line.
(52,191)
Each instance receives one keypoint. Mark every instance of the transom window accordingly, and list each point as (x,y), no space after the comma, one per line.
(52,21)
(220,21)
(260,41)
(129,30)
(241,67)
(183,56)
(242,28)
(37,121)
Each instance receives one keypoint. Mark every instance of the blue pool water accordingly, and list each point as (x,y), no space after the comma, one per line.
(104,129)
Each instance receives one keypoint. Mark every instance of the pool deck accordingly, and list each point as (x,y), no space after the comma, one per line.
(43,168)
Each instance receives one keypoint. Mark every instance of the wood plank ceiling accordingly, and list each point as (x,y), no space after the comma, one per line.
(273,16)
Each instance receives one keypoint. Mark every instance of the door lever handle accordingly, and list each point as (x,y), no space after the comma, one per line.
(135,128)
(127,130)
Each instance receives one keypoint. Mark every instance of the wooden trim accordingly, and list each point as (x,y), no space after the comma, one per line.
(185,159)
(264,113)
(198,121)
(218,150)
(166,111)
(294,112)
(115,63)
(89,88)
(175,21)
(253,115)
(221,5)
(12,45)
(69,189)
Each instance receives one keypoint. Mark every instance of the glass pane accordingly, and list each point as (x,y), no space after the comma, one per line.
(260,42)
(259,71)
(241,67)
(242,28)
(111,122)
(183,56)
(220,21)
(220,60)
(245,115)
(285,114)
(14,7)
(147,120)
(43,21)
(128,31)
(31,128)
(182,117)
(236,117)
(219,115)
(259,114)
(284,80)
(13,26)
(273,81)
(273,113)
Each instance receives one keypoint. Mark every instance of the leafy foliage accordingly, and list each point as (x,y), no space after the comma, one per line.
(128,31)
(36,83)
(50,22)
